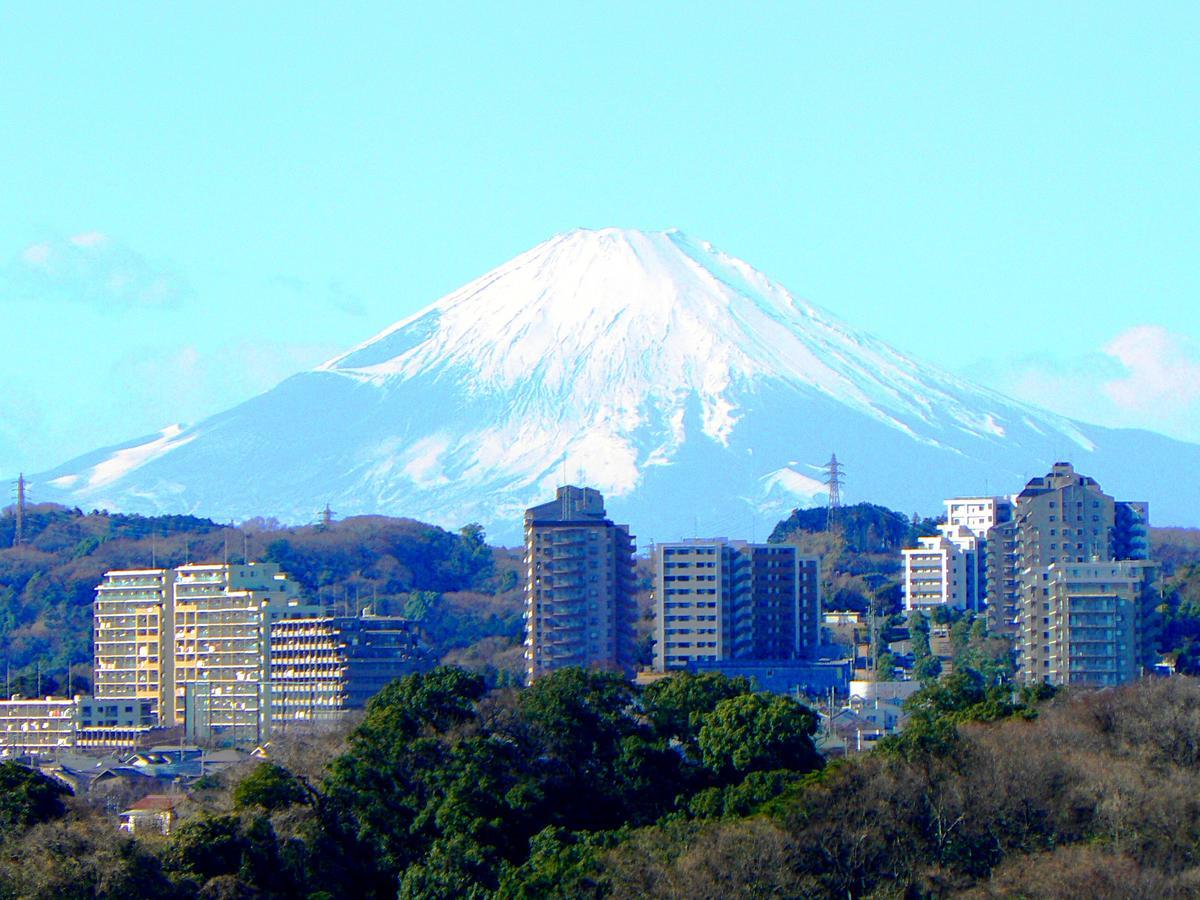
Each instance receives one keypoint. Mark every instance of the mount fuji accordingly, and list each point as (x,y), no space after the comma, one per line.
(697,394)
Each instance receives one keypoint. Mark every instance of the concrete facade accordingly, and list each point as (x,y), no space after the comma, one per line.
(579,588)
(950,568)
(720,600)
(324,665)
(52,726)
(193,641)
(1047,566)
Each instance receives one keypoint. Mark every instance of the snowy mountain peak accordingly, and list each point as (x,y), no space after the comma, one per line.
(677,316)
(689,387)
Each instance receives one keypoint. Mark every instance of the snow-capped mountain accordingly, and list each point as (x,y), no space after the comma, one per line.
(696,393)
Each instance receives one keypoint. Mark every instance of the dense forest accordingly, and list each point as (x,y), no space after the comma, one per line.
(584,786)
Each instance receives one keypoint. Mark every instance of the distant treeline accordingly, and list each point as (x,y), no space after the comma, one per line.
(47,583)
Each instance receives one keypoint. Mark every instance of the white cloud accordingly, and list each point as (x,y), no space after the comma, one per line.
(1162,371)
(90,267)
(1145,377)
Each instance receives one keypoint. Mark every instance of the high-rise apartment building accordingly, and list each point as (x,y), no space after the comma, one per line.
(132,627)
(323,665)
(1099,613)
(720,600)
(950,568)
(221,634)
(193,641)
(1050,569)
(579,587)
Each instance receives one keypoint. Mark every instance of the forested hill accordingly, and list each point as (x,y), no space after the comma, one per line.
(464,590)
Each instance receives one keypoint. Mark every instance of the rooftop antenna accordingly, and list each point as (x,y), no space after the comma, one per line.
(245,546)
(153,549)
(833,480)
(19,531)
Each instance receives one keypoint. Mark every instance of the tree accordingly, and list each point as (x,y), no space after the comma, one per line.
(270,787)
(885,666)
(758,732)
(28,797)
(677,705)
(927,668)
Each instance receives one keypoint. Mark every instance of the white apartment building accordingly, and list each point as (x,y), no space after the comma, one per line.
(935,574)
(978,513)
(53,725)
(950,568)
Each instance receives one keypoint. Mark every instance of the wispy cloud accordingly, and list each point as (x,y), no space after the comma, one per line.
(185,383)
(333,294)
(1145,377)
(91,267)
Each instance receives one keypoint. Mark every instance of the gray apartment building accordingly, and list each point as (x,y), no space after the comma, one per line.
(721,600)
(580,606)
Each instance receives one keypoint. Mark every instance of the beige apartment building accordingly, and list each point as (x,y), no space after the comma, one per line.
(193,640)
(221,634)
(132,628)
(1071,556)
(579,590)
(721,600)
(1099,613)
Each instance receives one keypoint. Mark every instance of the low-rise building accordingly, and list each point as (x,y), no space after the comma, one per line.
(791,677)
(52,726)
(155,813)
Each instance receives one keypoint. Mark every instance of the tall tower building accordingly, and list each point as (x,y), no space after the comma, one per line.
(132,626)
(720,600)
(221,645)
(1053,570)
(579,586)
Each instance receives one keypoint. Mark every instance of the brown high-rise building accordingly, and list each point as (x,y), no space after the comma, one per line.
(1075,617)
(579,587)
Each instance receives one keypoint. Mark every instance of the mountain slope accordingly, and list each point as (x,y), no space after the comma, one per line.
(690,388)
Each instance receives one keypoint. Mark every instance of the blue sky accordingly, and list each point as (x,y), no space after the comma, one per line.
(197,200)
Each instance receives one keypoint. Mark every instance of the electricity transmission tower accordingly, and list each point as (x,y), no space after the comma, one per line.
(19,531)
(833,480)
